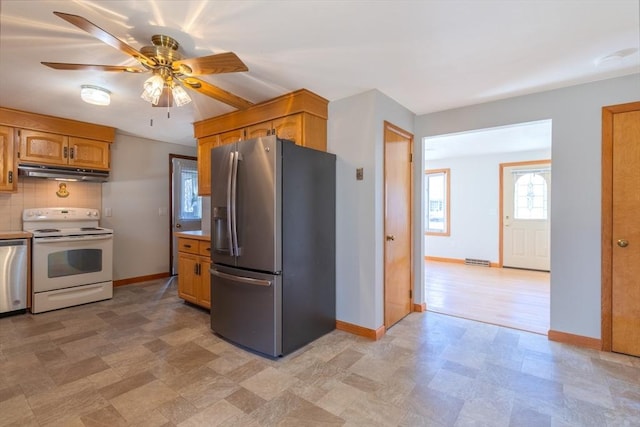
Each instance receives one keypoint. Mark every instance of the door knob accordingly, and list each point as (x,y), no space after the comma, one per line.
(391,237)
(623,243)
(178,225)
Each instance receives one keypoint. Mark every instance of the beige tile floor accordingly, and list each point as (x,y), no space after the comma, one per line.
(145,358)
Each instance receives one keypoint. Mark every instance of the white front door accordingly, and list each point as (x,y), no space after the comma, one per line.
(526,193)
(186,205)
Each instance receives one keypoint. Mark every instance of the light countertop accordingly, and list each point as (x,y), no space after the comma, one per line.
(195,234)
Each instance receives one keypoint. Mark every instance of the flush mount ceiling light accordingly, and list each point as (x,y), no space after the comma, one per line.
(95,95)
(615,58)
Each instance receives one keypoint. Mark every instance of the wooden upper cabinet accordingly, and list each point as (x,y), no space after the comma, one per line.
(289,127)
(231,136)
(88,153)
(61,150)
(204,163)
(43,148)
(8,173)
(259,130)
(300,116)
(48,140)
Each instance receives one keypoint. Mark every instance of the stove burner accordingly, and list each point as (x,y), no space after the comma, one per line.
(89,228)
(47,230)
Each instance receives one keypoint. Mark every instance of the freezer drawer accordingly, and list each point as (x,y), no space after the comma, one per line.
(246,308)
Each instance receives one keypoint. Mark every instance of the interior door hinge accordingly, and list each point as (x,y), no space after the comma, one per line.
(410,157)
(410,294)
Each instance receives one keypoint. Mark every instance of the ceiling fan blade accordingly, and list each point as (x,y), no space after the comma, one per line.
(104,36)
(216,93)
(227,62)
(91,67)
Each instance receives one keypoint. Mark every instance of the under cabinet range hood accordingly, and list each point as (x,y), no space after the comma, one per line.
(63,174)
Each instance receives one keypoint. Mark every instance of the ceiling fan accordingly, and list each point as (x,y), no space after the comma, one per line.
(169,69)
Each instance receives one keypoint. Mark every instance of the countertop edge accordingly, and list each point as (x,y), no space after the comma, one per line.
(196,234)
(4,235)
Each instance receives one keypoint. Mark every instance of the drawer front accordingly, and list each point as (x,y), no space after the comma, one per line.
(204,248)
(188,245)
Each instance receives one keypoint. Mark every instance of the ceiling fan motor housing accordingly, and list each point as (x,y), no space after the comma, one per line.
(164,50)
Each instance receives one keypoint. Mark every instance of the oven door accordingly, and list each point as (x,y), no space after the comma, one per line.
(68,261)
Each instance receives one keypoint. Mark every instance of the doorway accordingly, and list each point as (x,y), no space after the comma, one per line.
(398,275)
(621,228)
(186,205)
(472,246)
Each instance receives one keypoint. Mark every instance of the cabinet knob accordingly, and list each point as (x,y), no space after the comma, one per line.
(623,243)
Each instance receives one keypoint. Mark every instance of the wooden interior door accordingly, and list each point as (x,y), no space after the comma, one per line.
(621,228)
(397,224)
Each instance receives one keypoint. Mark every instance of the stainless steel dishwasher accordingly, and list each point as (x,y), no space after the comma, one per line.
(13,276)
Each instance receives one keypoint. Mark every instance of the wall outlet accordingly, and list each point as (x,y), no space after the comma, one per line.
(107,212)
(162,211)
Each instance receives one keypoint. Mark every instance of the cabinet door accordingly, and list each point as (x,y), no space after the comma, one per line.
(187,277)
(43,148)
(231,136)
(204,163)
(205,283)
(289,127)
(258,130)
(8,176)
(88,153)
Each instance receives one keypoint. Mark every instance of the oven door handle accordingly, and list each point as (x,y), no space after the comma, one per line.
(72,239)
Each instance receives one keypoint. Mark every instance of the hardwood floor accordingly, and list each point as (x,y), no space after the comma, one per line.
(501,296)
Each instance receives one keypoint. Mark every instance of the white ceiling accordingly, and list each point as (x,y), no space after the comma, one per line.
(528,136)
(428,55)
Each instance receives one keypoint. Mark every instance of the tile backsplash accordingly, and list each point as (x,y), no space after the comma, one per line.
(37,193)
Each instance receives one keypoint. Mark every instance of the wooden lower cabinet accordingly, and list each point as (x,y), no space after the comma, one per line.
(193,271)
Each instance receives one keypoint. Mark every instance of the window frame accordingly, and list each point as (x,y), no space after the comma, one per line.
(447,202)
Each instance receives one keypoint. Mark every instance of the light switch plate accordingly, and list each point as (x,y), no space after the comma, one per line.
(359,174)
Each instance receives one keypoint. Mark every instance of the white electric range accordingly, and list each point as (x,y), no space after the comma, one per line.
(72,257)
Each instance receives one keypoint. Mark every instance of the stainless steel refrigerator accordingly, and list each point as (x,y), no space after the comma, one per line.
(272,244)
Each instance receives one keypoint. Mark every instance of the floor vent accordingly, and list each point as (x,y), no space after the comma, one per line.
(481,262)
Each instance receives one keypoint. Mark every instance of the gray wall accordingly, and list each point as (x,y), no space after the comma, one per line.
(138,196)
(356,136)
(575,202)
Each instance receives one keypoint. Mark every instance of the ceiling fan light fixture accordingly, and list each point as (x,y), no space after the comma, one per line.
(95,95)
(180,96)
(153,89)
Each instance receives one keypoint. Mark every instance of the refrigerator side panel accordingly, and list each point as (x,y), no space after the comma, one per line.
(246,309)
(258,204)
(308,293)
(221,158)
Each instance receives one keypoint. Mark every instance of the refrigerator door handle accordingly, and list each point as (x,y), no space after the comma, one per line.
(234,207)
(229,210)
(241,279)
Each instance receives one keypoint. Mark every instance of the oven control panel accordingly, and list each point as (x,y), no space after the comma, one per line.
(59,214)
